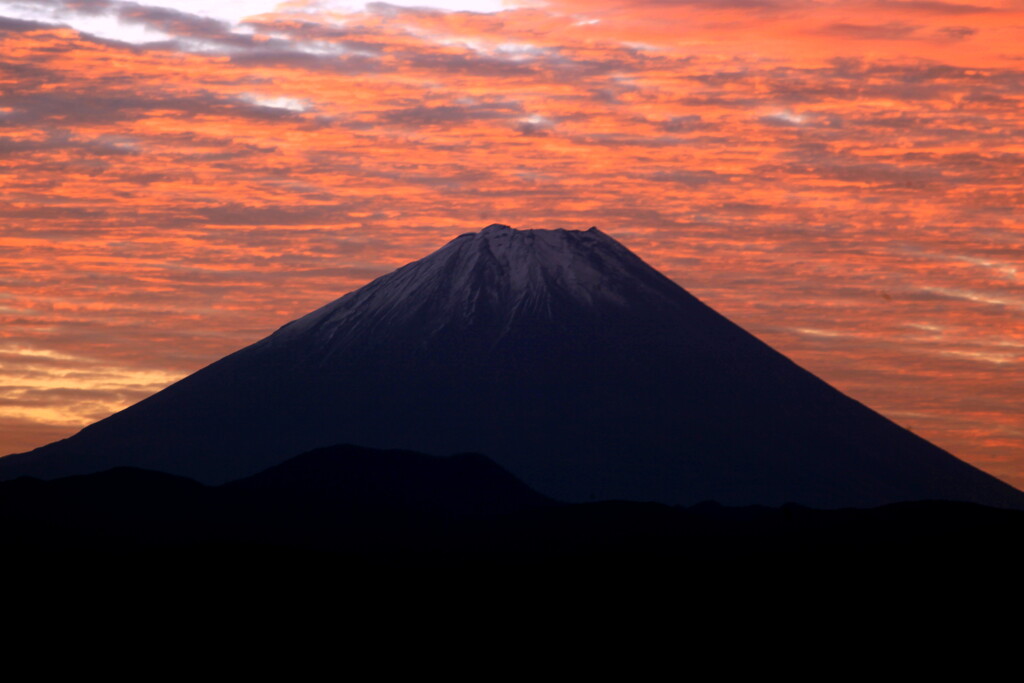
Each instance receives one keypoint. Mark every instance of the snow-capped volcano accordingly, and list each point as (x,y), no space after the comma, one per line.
(512,271)
(561,355)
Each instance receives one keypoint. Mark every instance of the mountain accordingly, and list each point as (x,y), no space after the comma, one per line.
(559,354)
(350,516)
(356,477)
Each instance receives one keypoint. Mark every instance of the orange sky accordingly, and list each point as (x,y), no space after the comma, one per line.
(842,178)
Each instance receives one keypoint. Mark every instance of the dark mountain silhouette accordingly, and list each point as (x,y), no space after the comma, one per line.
(351,477)
(338,499)
(307,520)
(559,354)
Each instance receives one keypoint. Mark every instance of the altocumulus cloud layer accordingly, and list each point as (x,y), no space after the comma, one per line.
(841,178)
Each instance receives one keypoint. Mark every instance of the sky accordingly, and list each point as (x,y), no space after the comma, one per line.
(842,178)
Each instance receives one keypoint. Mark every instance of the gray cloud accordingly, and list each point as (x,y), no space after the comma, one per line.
(891,31)
(934,7)
(450,115)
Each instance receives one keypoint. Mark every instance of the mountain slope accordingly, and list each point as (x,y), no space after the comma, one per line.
(559,354)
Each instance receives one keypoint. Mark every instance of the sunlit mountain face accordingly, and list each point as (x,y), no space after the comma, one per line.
(840,178)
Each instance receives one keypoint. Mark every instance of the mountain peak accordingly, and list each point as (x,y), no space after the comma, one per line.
(498,232)
(530,256)
(492,277)
(502,227)
(496,227)
(499,236)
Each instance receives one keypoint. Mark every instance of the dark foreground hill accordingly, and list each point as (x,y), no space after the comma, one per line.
(561,355)
(406,514)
